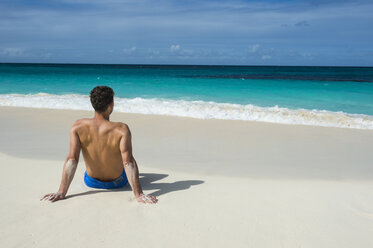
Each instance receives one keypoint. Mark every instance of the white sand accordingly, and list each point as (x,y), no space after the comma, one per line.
(219,183)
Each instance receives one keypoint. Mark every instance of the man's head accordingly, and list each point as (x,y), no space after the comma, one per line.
(101,98)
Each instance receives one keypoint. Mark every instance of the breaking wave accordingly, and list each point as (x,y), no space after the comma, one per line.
(196,109)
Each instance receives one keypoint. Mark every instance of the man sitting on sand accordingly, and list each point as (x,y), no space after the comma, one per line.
(106,148)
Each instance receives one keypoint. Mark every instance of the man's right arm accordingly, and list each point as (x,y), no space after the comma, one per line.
(69,167)
(130,166)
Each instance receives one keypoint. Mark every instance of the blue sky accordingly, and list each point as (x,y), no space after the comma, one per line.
(187,32)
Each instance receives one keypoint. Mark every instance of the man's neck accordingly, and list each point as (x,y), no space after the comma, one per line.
(101,116)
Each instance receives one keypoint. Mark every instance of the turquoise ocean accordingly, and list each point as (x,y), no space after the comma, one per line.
(321,96)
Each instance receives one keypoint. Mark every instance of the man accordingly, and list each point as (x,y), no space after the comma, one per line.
(106,148)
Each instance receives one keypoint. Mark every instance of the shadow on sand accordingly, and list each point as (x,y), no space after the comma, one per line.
(147,182)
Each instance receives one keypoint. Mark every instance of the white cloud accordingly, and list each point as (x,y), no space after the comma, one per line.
(174,48)
(306,55)
(129,50)
(254,48)
(266,57)
(302,24)
(153,53)
(13,52)
(187,52)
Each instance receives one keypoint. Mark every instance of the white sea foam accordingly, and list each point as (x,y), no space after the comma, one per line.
(196,109)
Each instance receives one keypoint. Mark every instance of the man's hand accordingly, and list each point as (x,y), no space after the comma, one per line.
(147,199)
(53,197)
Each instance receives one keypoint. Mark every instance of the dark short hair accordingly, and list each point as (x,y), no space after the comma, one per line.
(101,97)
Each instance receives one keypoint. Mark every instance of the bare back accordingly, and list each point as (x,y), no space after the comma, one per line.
(100,143)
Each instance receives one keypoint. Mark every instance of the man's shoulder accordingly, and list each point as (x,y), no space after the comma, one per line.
(78,124)
(121,127)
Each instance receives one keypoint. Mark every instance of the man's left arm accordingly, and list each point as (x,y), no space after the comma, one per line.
(69,167)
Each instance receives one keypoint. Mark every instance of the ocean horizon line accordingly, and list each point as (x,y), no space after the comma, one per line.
(186,65)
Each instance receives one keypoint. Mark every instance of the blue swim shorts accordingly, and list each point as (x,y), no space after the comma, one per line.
(116,183)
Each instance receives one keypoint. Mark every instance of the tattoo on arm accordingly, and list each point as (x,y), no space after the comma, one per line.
(68,175)
(133,177)
(71,166)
